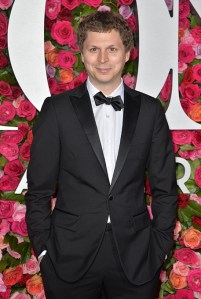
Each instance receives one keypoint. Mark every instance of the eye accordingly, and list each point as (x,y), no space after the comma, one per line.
(94,49)
(112,49)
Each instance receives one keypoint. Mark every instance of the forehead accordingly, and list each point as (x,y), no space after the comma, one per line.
(109,37)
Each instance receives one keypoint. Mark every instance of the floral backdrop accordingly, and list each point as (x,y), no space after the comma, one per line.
(19,270)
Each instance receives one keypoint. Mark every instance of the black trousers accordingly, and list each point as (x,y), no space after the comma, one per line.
(105,278)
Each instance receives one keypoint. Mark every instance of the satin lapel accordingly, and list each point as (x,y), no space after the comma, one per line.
(82,105)
(130,117)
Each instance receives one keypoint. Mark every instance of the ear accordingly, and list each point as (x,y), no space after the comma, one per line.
(127,56)
(82,57)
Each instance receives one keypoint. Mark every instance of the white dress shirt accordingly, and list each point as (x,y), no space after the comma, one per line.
(109,124)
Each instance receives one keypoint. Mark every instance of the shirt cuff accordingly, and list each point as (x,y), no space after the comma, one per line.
(42,253)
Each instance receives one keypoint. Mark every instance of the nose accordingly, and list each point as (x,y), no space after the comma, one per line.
(103,56)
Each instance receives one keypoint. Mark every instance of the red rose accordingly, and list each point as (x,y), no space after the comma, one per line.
(188,75)
(6,208)
(124,2)
(16,92)
(26,109)
(30,136)
(52,8)
(5,4)
(65,14)
(24,279)
(5,89)
(166,90)
(184,9)
(181,137)
(19,227)
(93,3)
(48,24)
(70,4)
(3,24)
(25,151)
(73,43)
(23,129)
(190,91)
(52,82)
(6,294)
(3,42)
(184,294)
(34,285)
(134,54)
(61,87)
(196,220)
(186,105)
(62,32)
(11,137)
(194,280)
(78,80)
(183,200)
(3,60)
(7,112)
(196,138)
(184,23)
(66,59)
(186,53)
(12,275)
(10,151)
(196,33)
(198,176)
(197,72)
(187,257)
(132,23)
(14,168)
(8,183)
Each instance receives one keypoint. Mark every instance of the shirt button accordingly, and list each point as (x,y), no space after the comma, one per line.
(107,116)
(111,198)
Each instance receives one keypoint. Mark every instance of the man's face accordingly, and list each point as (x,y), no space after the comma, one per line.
(104,57)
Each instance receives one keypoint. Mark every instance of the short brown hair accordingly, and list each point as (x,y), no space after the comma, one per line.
(105,21)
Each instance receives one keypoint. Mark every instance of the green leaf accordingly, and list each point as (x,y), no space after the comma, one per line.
(194,164)
(166,286)
(25,250)
(192,187)
(130,67)
(3,265)
(186,147)
(195,207)
(12,241)
(10,195)
(3,161)
(179,171)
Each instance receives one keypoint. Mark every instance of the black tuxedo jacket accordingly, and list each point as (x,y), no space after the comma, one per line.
(66,155)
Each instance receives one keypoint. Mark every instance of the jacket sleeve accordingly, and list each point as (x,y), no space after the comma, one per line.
(42,176)
(162,178)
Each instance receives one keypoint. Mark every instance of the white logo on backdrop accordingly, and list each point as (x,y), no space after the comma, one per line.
(158,54)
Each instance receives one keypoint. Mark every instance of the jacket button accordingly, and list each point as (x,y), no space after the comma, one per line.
(111,198)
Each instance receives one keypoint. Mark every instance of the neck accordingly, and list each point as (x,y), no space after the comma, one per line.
(105,88)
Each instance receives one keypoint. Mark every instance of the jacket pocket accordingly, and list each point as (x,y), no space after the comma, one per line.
(65,220)
(141,221)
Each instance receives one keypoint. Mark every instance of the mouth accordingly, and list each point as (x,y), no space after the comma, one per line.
(103,70)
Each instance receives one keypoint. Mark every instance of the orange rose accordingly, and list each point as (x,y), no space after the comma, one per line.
(12,275)
(66,76)
(195,112)
(181,33)
(192,238)
(34,285)
(177,281)
(52,57)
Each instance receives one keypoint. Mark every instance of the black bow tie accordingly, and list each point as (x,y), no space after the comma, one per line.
(116,102)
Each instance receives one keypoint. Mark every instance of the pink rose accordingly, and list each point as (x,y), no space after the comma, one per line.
(23,129)
(124,2)
(184,23)
(6,294)
(11,137)
(40,295)
(16,103)
(7,112)
(184,9)
(19,211)
(196,138)
(197,72)
(20,227)
(3,24)
(25,151)
(186,53)
(177,230)
(62,32)
(163,276)
(5,4)
(73,43)
(196,33)
(181,137)
(78,80)
(10,151)
(2,244)
(180,269)
(169,4)
(4,227)
(8,183)
(134,54)
(198,176)
(93,3)
(125,11)
(190,91)
(52,8)
(150,211)
(132,23)
(188,75)
(129,80)
(5,89)
(187,257)
(26,109)
(197,295)
(18,295)
(52,82)
(2,285)
(31,267)
(184,294)
(104,8)
(194,280)
(6,208)
(166,90)
(66,59)
(70,4)
(182,67)
(195,198)
(49,46)
(13,253)
(3,60)
(14,168)
(186,105)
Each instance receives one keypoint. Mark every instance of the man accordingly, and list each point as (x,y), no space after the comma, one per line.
(94,144)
